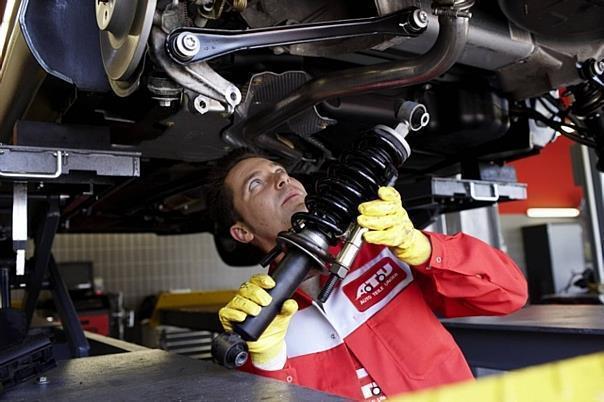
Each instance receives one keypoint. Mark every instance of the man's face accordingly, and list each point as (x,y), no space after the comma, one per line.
(266,197)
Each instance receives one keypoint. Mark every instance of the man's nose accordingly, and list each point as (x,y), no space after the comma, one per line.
(282,179)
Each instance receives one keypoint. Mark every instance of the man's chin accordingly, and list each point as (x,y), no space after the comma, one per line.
(298,207)
(301,207)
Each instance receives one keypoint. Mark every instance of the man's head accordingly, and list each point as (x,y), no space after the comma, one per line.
(254,198)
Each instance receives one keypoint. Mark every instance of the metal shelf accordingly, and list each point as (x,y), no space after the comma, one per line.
(42,164)
(449,195)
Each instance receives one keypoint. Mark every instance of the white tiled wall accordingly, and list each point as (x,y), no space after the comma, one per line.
(142,264)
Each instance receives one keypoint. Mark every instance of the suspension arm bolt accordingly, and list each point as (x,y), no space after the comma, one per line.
(186,46)
(420,18)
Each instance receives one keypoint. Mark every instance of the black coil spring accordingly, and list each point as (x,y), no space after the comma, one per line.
(589,99)
(355,178)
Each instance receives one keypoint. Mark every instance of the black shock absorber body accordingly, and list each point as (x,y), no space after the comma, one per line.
(373,162)
(589,103)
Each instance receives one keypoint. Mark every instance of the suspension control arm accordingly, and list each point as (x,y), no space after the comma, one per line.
(191,45)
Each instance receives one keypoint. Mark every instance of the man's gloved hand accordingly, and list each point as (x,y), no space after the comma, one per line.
(251,297)
(389,225)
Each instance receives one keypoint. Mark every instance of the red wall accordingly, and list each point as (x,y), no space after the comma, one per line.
(549,178)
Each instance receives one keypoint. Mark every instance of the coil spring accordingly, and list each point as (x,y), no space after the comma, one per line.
(589,99)
(373,162)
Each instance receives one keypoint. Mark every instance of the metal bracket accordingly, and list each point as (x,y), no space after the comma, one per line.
(431,196)
(198,77)
(489,198)
(25,175)
(202,104)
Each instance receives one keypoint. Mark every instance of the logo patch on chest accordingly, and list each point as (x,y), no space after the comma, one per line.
(374,284)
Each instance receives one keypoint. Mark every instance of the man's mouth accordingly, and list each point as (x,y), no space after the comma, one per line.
(289,197)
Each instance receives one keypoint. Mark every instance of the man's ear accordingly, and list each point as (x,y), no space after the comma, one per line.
(240,232)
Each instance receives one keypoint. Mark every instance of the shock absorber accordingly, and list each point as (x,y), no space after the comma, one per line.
(589,103)
(373,162)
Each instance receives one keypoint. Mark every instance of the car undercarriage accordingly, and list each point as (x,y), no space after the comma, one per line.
(184,82)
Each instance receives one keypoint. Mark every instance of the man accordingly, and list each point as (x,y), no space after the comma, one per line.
(377,335)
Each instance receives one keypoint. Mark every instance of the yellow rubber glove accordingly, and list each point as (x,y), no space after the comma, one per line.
(389,225)
(249,300)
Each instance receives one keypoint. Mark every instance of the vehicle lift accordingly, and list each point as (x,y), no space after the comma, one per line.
(43,175)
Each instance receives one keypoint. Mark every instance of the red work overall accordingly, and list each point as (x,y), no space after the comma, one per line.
(378,333)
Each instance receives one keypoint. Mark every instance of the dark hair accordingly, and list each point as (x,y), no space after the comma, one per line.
(219,195)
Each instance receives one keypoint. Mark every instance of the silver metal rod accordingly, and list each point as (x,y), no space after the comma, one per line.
(20,225)
(351,246)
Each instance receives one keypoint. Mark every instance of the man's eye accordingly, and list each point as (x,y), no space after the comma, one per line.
(254,183)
